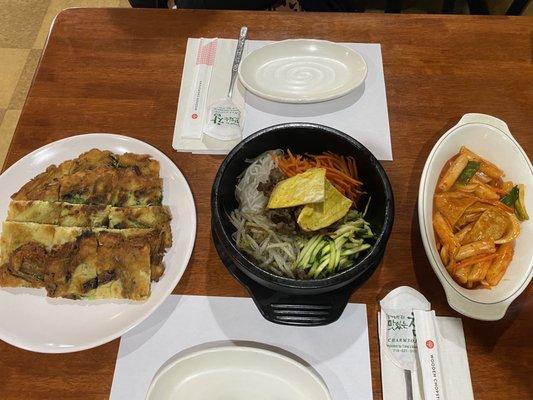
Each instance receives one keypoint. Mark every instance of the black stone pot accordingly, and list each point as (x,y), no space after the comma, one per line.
(292,301)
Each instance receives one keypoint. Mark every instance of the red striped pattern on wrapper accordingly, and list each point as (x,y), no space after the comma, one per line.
(206,53)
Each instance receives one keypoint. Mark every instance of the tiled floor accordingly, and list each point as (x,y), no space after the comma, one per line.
(24,26)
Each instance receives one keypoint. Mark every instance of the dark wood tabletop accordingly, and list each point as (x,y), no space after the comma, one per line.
(119,71)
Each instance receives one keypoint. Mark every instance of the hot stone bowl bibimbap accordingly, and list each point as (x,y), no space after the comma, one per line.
(301,215)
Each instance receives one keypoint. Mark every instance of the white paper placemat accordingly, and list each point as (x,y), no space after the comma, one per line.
(339,352)
(361,114)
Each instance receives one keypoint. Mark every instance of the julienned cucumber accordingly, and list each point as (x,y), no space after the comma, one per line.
(325,254)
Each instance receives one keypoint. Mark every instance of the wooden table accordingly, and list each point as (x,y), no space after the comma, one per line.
(119,71)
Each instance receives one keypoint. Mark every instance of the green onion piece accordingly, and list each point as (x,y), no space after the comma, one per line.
(468,172)
(74,198)
(520,205)
(510,198)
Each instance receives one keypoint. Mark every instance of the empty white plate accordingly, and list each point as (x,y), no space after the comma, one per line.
(302,71)
(32,321)
(236,373)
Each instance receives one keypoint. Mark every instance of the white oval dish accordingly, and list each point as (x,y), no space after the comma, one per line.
(491,139)
(302,71)
(32,321)
(237,373)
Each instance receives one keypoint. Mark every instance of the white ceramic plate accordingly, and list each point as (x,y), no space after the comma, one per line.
(236,373)
(491,139)
(32,321)
(302,71)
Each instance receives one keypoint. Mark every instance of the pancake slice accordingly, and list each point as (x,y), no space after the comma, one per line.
(74,262)
(98,177)
(142,217)
(155,239)
(94,186)
(142,164)
(44,186)
(93,216)
(24,247)
(38,211)
(82,215)
(134,190)
(100,265)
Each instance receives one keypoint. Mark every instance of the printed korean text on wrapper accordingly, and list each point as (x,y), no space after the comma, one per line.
(196,103)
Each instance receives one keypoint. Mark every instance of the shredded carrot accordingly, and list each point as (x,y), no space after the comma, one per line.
(475,260)
(341,171)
